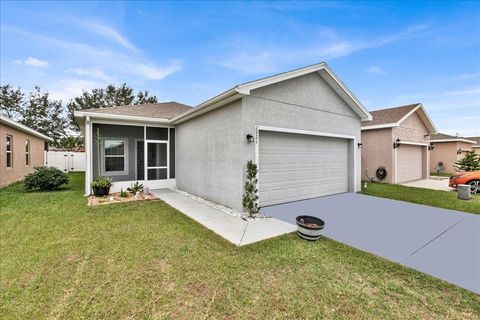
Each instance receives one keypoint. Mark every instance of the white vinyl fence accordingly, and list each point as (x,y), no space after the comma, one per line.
(66,161)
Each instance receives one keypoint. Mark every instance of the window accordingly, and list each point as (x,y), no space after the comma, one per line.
(115,156)
(9,143)
(27,152)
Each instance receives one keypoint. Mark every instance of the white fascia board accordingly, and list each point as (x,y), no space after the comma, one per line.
(453,140)
(305,132)
(24,128)
(412,143)
(95,115)
(216,102)
(380,126)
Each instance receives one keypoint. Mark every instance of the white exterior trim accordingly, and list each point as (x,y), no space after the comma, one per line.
(305,132)
(453,140)
(24,128)
(97,115)
(423,144)
(380,126)
(88,157)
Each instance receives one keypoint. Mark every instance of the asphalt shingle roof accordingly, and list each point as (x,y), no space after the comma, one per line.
(390,115)
(476,139)
(163,110)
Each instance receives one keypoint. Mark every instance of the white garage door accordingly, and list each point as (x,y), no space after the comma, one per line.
(409,163)
(296,167)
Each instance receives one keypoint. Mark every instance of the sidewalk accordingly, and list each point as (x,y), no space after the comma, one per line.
(234,229)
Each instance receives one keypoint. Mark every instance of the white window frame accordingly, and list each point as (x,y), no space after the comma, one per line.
(124,156)
(8,136)
(27,152)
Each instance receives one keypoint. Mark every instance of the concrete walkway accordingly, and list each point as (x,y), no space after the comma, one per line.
(435,183)
(234,229)
(442,243)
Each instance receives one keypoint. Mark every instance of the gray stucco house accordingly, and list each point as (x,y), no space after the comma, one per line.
(301,127)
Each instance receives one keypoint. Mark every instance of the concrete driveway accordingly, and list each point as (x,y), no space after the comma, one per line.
(442,243)
(435,183)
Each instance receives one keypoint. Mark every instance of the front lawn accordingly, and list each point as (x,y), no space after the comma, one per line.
(145,260)
(440,174)
(429,197)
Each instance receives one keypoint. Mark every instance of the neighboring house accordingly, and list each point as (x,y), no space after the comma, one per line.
(22,149)
(397,139)
(476,146)
(448,150)
(301,127)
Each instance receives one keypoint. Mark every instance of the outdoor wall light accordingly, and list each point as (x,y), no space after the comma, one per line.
(250,138)
(459,151)
(431,147)
(396,144)
(427,136)
(360,144)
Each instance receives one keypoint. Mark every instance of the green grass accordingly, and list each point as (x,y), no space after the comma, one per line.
(440,174)
(145,260)
(434,198)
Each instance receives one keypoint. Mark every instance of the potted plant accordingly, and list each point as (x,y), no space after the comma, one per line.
(309,227)
(101,186)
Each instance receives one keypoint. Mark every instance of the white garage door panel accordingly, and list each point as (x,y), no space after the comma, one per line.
(409,163)
(295,167)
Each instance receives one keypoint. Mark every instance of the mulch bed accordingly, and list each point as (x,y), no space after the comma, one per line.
(115,198)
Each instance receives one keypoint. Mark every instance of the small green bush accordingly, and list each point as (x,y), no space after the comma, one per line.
(101,182)
(45,178)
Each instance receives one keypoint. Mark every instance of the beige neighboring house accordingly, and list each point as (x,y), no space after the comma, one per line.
(476,146)
(22,149)
(448,149)
(397,139)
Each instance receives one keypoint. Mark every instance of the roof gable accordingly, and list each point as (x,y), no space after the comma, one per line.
(393,117)
(245,89)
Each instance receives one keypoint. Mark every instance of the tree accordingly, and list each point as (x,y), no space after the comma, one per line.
(471,162)
(109,96)
(70,143)
(250,194)
(11,102)
(44,115)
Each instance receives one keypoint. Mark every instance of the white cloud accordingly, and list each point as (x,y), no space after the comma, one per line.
(33,62)
(132,66)
(93,73)
(107,32)
(376,70)
(262,57)
(153,72)
(66,89)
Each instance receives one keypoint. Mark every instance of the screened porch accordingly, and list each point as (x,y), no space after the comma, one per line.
(129,153)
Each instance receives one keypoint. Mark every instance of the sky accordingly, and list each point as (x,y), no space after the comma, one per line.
(388,53)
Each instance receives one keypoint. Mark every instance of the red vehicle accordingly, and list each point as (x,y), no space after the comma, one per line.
(472,178)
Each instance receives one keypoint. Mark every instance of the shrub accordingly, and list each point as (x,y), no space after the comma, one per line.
(135,187)
(101,182)
(45,178)
(471,162)
(250,194)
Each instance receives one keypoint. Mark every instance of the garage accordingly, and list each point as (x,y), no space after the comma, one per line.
(409,163)
(299,166)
